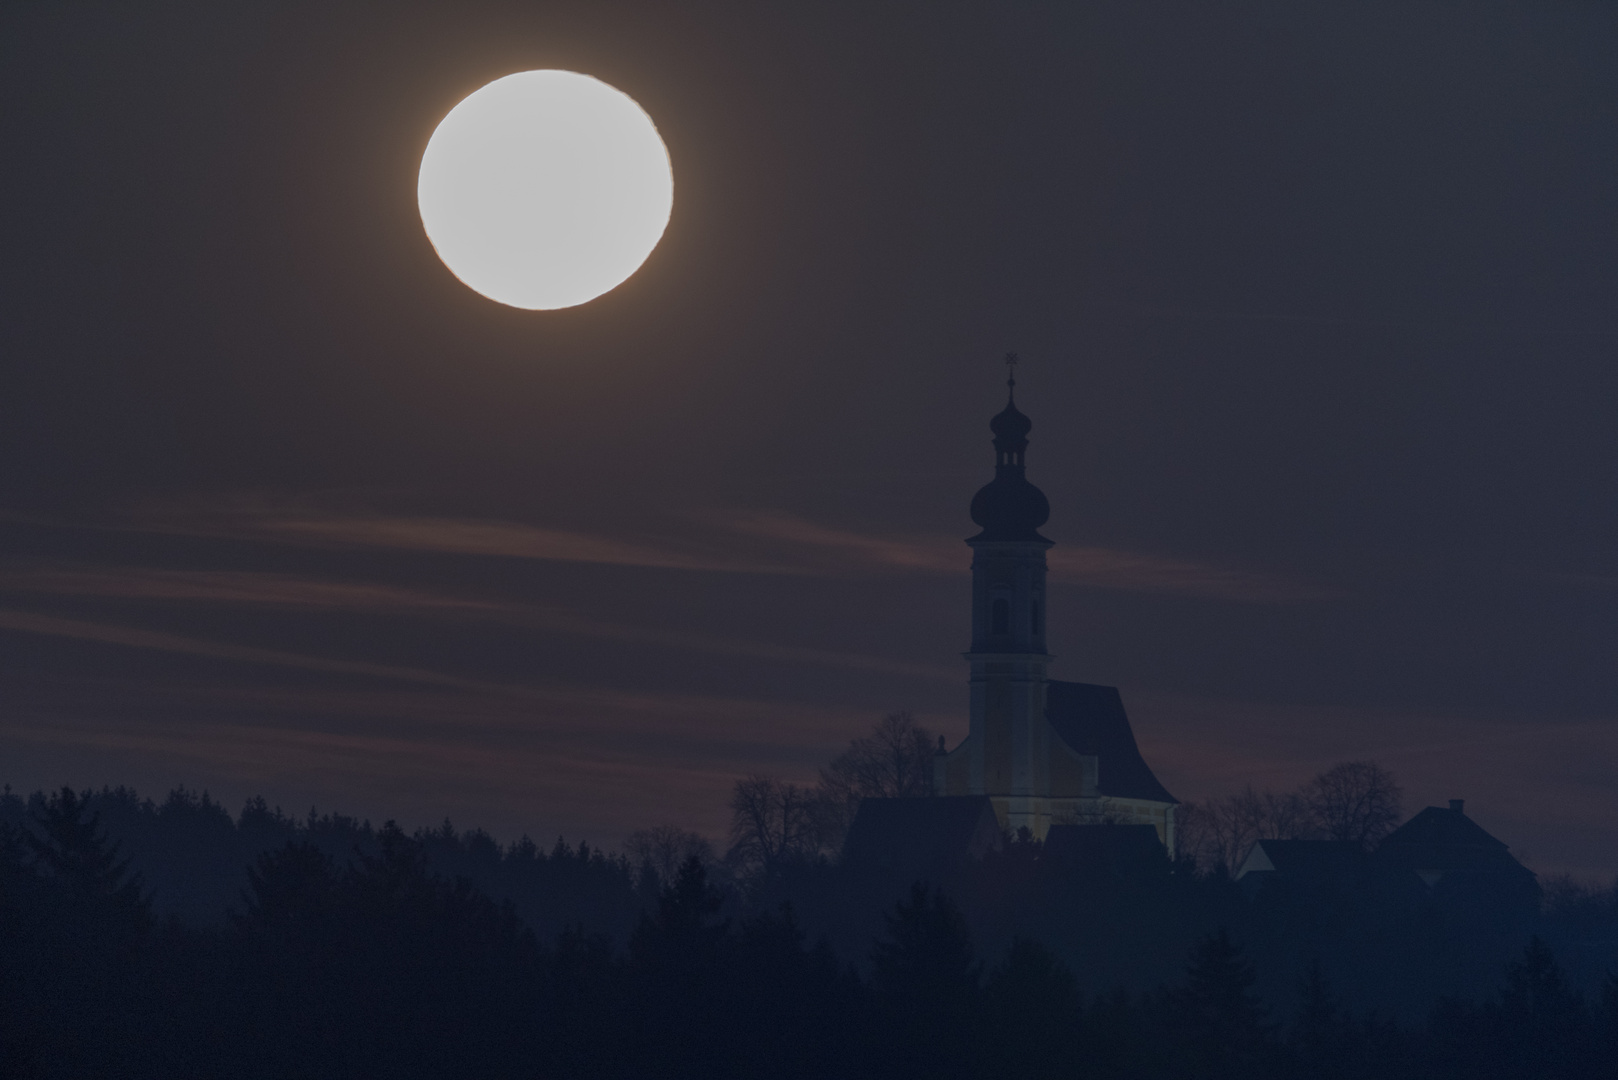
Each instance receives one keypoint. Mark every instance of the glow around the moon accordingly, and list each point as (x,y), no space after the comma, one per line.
(545,189)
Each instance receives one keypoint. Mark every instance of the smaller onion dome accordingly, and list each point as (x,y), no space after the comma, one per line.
(1009,507)
(1011,426)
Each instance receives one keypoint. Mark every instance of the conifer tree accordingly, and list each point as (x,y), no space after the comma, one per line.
(88,937)
(927,985)
(1031,1013)
(1319,1035)
(1222,1024)
(1540,1015)
(73,853)
(681,959)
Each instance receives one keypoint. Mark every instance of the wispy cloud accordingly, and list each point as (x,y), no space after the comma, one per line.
(841,551)
(258,589)
(311,526)
(185,645)
(582,722)
(224,587)
(522,741)
(732,542)
(1127,571)
(29,622)
(481,537)
(1088,567)
(513,785)
(586,760)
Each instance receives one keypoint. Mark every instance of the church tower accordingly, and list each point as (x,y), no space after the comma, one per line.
(1044,752)
(1008,657)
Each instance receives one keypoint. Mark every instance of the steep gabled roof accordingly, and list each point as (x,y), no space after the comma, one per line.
(1439,839)
(1091,720)
(1437,825)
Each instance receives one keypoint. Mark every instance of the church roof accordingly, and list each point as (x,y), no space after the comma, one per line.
(892,834)
(1091,720)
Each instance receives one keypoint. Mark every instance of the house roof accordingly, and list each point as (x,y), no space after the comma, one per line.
(1303,858)
(1091,720)
(893,833)
(1446,839)
(1438,825)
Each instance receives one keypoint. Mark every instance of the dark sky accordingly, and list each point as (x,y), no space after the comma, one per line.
(1318,306)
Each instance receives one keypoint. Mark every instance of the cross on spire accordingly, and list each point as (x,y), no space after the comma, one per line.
(1011,374)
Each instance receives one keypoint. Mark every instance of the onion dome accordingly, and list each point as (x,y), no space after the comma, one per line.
(1008,507)
(1011,427)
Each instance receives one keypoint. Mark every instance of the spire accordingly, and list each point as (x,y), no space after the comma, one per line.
(1010,427)
(1010,508)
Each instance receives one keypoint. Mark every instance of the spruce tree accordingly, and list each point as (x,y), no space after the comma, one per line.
(927,989)
(1223,1026)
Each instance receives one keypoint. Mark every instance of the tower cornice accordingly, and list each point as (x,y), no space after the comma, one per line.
(1009,657)
(977,542)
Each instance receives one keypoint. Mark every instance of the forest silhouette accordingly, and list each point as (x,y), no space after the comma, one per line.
(174,939)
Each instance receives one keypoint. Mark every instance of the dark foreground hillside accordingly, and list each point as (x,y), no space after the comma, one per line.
(348,951)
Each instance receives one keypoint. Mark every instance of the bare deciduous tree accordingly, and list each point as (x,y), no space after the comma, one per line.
(894,762)
(1279,817)
(1356,802)
(1583,904)
(663,849)
(772,822)
(1220,832)
(1191,840)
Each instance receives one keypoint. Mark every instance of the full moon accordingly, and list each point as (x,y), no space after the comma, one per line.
(545,189)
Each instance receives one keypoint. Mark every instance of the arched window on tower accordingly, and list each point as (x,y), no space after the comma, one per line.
(1039,618)
(1000,617)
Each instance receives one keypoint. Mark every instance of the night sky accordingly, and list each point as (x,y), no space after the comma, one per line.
(1317,305)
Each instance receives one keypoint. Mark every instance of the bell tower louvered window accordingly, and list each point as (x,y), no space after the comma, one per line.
(1000,617)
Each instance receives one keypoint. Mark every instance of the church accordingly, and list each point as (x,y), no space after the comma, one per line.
(1045,752)
(1039,752)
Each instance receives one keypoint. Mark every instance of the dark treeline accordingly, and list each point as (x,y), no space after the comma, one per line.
(1131,924)
(1390,942)
(193,858)
(387,958)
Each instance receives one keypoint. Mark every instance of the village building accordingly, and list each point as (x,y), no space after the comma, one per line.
(1044,752)
(1440,857)
(1056,762)
(1039,752)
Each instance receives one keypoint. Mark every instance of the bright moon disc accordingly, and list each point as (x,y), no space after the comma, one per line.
(545,189)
